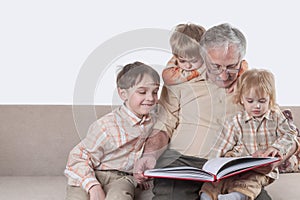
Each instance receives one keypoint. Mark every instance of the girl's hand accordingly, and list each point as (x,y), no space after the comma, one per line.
(273,152)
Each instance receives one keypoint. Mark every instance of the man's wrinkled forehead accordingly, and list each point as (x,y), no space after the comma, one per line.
(223,52)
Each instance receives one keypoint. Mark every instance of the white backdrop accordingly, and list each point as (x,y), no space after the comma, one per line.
(44,44)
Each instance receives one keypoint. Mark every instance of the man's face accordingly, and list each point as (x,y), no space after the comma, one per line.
(222,66)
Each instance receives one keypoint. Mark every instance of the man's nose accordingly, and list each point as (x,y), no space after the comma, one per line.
(224,75)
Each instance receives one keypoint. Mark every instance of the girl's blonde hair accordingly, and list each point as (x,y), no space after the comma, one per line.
(185,40)
(261,80)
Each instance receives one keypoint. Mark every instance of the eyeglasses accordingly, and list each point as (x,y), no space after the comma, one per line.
(218,69)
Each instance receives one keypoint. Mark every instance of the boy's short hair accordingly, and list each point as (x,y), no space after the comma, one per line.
(131,74)
(185,40)
(261,80)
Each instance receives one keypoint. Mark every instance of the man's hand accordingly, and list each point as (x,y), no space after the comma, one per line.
(146,185)
(144,163)
(96,193)
(154,147)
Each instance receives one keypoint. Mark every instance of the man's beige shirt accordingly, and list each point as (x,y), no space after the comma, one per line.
(193,114)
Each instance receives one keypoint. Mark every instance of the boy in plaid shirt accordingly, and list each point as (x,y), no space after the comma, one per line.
(101,165)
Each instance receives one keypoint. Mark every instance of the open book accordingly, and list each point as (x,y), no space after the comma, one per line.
(213,170)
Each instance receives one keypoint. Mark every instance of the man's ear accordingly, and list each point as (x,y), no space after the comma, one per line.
(123,94)
(244,67)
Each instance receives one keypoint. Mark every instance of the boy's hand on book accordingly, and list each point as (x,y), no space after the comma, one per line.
(144,163)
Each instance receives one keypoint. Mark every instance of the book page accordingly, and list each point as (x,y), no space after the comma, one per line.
(214,165)
(223,166)
(184,172)
(242,166)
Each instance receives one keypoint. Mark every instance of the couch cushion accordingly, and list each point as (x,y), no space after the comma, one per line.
(292,165)
(54,188)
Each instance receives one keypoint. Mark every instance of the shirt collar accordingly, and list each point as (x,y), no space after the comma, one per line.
(267,115)
(132,118)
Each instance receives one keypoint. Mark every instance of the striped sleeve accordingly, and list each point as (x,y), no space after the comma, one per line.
(287,135)
(225,141)
(84,157)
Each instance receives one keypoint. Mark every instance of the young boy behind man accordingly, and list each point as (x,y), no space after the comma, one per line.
(186,62)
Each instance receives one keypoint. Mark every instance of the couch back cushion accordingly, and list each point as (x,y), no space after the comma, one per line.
(36,139)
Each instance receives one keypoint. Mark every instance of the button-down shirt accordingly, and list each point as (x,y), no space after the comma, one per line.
(193,114)
(243,134)
(113,142)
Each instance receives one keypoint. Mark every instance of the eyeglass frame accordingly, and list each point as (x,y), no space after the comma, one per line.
(229,71)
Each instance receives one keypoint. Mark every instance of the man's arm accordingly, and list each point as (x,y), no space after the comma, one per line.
(158,140)
(155,145)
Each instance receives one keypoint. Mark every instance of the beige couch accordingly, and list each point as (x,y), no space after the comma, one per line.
(35,142)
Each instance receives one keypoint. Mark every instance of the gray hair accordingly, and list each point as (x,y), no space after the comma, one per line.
(223,35)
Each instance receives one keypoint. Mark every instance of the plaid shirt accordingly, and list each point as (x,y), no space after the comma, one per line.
(114,142)
(244,135)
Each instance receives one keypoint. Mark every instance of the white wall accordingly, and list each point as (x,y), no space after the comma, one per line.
(45,44)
